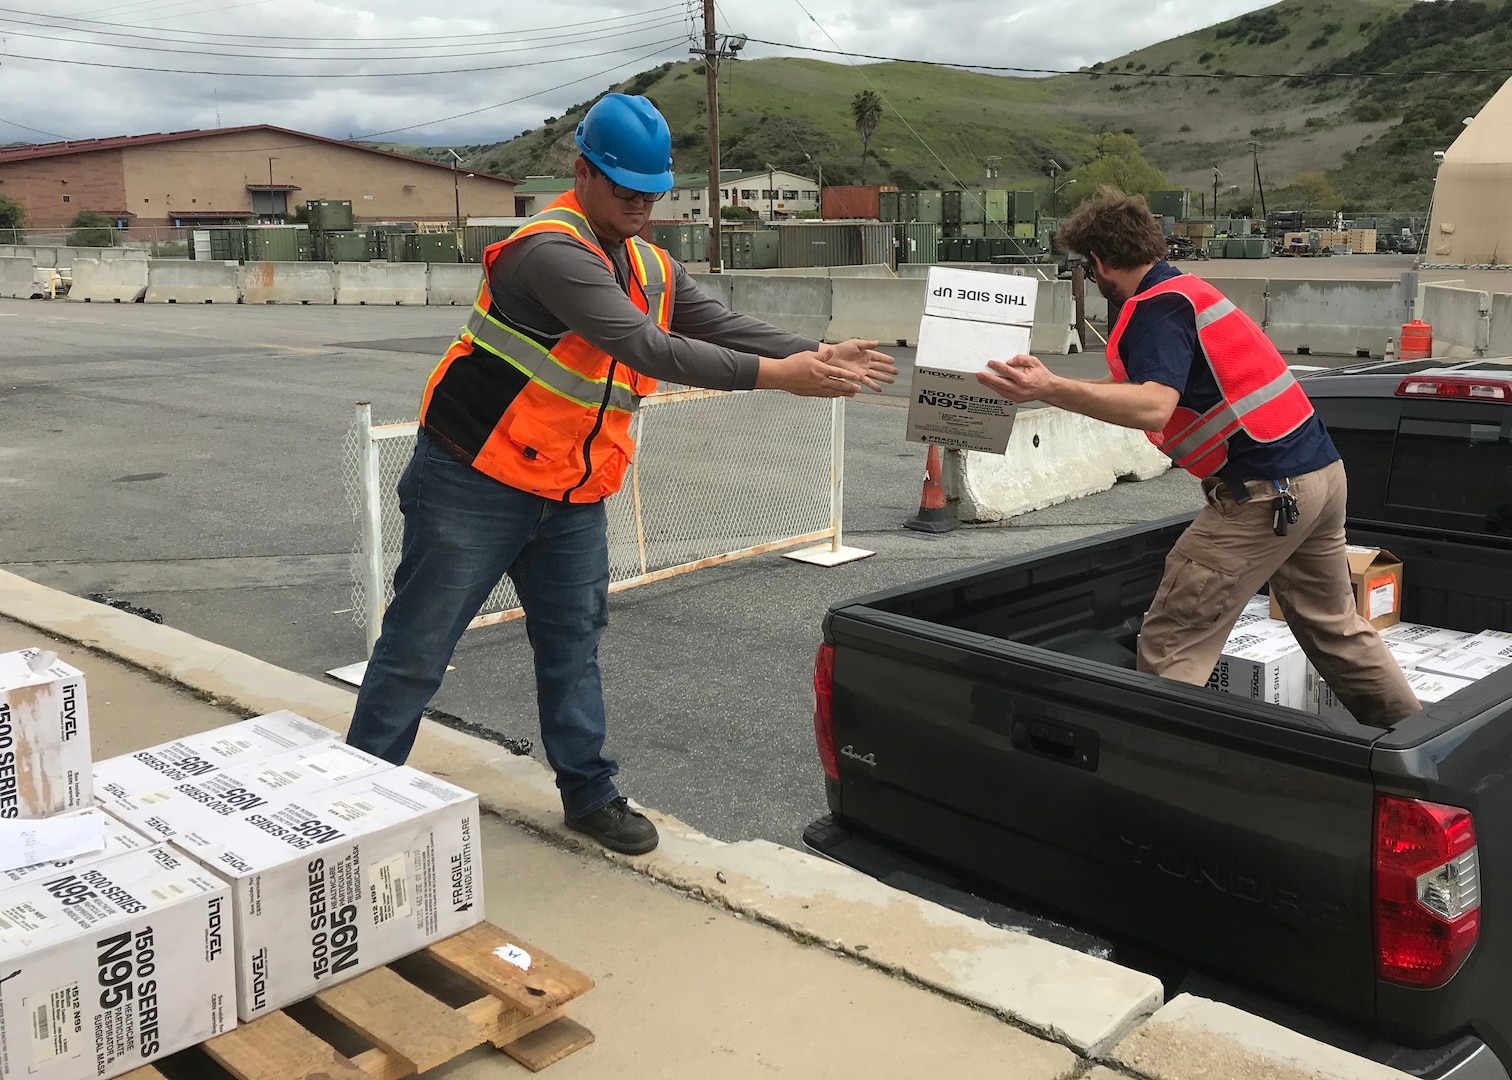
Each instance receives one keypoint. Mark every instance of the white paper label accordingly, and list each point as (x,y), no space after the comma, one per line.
(56,1024)
(278,778)
(513,954)
(230,748)
(334,765)
(390,889)
(1382,600)
(27,843)
(167,893)
(19,920)
(351,809)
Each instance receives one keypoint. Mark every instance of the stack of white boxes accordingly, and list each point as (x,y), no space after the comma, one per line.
(1262,661)
(239,870)
(1436,662)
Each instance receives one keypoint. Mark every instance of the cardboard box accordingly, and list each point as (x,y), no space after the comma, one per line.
(970,317)
(44,736)
(1465,664)
(1265,666)
(338,882)
(119,839)
(197,756)
(1491,642)
(1376,577)
(113,965)
(1431,637)
(1409,657)
(241,789)
(1429,687)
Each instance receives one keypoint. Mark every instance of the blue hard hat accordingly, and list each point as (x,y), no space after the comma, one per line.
(629,141)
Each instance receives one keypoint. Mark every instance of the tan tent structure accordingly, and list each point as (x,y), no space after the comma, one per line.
(1472,199)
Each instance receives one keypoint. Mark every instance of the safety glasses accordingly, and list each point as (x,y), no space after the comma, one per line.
(627,194)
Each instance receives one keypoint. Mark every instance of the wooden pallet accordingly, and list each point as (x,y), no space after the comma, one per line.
(406,1018)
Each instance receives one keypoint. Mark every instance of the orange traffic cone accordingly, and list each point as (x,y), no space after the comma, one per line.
(933,516)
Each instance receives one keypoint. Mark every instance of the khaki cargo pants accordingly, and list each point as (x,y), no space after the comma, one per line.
(1230,551)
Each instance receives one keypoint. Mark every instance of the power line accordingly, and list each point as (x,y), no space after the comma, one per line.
(39,131)
(238,51)
(333,75)
(837,51)
(527,97)
(406,38)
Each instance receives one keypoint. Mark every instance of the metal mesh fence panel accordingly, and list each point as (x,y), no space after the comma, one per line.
(716,476)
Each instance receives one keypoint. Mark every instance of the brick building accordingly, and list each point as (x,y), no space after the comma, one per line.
(238,175)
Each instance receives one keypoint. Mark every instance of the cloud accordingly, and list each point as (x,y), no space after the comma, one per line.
(532,65)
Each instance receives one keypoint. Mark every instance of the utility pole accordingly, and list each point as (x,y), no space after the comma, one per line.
(711,115)
(1256,184)
(456,190)
(1216,175)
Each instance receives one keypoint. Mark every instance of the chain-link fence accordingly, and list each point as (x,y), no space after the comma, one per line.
(717,477)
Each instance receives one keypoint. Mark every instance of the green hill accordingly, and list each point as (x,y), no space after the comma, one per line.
(1374,137)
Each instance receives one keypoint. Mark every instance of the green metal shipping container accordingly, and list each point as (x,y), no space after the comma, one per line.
(330,215)
(1233,247)
(974,231)
(950,208)
(918,242)
(277,243)
(1022,206)
(931,207)
(908,206)
(1172,204)
(1024,230)
(341,247)
(228,245)
(887,202)
(973,207)
(429,248)
(950,249)
(748,249)
(1217,248)
(477,237)
(1256,247)
(997,204)
(998,230)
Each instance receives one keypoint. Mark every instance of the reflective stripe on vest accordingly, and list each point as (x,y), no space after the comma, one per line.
(536,361)
(1260,394)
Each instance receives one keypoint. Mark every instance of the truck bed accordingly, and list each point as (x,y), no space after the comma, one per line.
(994,721)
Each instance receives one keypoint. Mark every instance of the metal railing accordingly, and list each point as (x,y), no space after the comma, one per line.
(717,477)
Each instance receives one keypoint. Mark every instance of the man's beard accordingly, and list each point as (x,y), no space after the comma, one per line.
(1110,291)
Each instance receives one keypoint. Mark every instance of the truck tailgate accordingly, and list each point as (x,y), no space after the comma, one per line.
(1146,810)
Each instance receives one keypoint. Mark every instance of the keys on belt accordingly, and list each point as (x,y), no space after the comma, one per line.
(1283,509)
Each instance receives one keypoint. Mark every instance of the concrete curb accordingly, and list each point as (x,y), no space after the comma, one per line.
(1196,1039)
(1086,1003)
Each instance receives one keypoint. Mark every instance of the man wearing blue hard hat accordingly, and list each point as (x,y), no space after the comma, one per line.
(525,431)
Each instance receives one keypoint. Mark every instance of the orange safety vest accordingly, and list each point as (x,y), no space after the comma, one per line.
(1261,397)
(550,416)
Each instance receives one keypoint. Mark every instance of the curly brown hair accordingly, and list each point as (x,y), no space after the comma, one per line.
(1119,229)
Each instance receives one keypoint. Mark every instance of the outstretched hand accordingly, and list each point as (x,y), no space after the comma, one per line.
(866,365)
(1022,379)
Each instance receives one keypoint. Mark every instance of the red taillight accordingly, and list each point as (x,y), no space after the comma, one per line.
(1427,891)
(1462,387)
(824,712)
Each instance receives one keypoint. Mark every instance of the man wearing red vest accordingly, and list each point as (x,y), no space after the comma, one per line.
(1212,393)
(525,430)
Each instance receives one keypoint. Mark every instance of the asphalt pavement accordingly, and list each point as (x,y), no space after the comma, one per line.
(187,460)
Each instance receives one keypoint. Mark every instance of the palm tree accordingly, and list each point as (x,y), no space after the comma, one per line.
(866,111)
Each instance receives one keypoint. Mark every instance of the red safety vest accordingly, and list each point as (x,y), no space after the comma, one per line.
(547,416)
(1261,397)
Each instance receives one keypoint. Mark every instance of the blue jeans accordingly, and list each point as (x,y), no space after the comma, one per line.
(462,532)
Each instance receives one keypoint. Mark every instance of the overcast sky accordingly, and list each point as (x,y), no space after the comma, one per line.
(539,58)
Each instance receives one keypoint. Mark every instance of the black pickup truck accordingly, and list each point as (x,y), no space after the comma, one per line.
(985,735)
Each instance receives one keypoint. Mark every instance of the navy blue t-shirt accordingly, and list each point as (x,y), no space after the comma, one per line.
(1159,345)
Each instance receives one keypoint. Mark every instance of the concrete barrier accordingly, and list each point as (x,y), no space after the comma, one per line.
(453,285)
(100,281)
(178,281)
(288,283)
(1343,318)
(1501,325)
(1053,456)
(16,278)
(802,305)
(381,283)
(888,311)
(718,286)
(1054,319)
(1248,294)
(1461,320)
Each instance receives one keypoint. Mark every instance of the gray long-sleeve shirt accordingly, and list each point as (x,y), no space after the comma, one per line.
(551,284)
